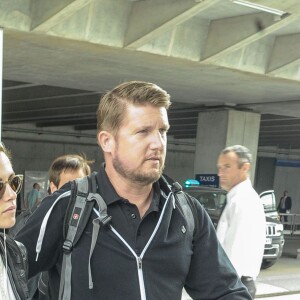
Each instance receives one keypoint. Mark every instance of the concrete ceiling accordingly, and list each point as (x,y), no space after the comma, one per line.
(60,55)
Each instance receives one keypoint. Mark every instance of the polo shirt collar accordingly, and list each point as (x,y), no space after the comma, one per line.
(105,187)
(110,195)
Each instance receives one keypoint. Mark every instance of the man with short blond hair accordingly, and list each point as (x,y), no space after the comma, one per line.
(149,249)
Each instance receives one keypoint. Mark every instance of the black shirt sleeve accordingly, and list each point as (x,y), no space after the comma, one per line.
(53,239)
(211,274)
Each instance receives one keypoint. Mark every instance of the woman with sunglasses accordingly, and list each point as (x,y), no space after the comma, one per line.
(13,267)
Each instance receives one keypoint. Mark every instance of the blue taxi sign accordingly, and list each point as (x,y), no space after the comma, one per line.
(211,180)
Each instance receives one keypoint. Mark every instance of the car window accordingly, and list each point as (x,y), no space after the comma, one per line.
(209,199)
(221,201)
(268,201)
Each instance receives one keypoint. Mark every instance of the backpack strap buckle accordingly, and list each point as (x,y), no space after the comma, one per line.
(106,220)
(176,187)
(67,246)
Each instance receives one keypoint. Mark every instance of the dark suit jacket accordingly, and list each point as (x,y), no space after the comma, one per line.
(288,203)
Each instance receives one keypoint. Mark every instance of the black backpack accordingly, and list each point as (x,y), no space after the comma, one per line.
(83,198)
(21,220)
(17,264)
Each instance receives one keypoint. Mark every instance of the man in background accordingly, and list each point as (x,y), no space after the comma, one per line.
(63,169)
(67,168)
(241,229)
(33,198)
(284,206)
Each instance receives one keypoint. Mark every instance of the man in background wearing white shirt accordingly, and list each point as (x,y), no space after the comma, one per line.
(241,229)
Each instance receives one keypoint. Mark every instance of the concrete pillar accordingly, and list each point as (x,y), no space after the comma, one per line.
(265,174)
(219,129)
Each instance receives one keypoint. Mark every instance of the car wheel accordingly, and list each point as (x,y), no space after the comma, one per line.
(267,263)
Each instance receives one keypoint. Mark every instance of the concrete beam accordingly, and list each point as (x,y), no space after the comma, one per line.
(239,33)
(40,114)
(20,86)
(285,54)
(183,41)
(47,14)
(289,70)
(15,14)
(150,20)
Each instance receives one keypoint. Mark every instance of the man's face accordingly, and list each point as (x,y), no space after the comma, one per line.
(230,172)
(139,149)
(8,200)
(66,176)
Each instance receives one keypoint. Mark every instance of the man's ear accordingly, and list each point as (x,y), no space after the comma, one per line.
(246,167)
(53,187)
(106,141)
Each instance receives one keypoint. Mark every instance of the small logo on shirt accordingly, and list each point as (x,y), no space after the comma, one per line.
(183,229)
(75,216)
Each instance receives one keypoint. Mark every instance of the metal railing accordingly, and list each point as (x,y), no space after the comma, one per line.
(291,222)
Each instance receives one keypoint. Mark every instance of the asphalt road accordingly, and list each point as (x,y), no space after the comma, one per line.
(285,297)
(281,279)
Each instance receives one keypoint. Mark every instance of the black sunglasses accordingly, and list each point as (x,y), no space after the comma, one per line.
(15,183)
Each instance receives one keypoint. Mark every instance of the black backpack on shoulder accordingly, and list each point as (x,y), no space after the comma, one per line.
(83,198)
(21,220)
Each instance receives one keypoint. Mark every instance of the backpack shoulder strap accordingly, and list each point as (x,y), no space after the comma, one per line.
(185,204)
(83,197)
(187,208)
(78,210)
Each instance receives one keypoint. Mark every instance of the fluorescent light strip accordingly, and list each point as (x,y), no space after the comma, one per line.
(260,7)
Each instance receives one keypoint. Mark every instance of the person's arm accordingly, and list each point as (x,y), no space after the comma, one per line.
(290,203)
(52,242)
(39,199)
(211,275)
(26,206)
(279,204)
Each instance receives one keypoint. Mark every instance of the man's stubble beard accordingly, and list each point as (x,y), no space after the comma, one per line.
(143,178)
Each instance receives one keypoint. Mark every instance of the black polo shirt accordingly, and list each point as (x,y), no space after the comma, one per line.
(135,231)
(169,257)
